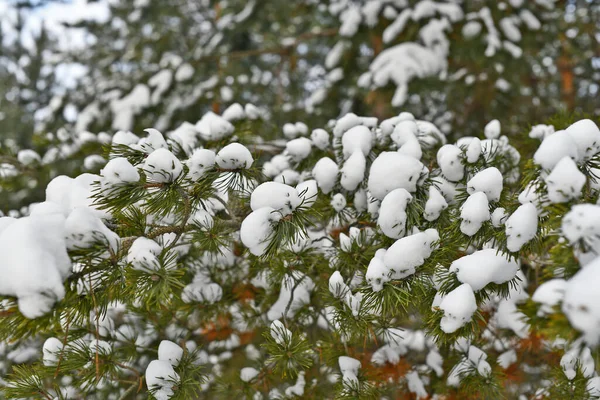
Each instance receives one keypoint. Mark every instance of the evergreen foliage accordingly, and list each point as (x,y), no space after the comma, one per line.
(241,198)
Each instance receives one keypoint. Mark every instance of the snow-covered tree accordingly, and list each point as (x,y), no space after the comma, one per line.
(128,65)
(299,199)
(459,64)
(364,259)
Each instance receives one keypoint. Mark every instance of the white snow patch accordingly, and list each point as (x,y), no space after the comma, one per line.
(459,306)
(521,226)
(483,267)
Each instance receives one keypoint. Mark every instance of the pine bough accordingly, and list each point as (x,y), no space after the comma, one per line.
(367,259)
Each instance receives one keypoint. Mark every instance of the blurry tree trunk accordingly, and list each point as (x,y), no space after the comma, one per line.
(379,103)
(565,67)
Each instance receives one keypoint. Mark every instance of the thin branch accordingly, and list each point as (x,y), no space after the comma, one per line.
(187,211)
(62,351)
(97,332)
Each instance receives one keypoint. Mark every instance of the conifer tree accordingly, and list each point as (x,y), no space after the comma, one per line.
(216,222)
(368,259)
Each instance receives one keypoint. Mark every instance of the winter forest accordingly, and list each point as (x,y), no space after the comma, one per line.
(300,199)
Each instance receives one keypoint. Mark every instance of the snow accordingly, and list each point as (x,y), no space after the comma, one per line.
(349,367)
(404,136)
(252,112)
(471,29)
(345,123)
(118,171)
(345,242)
(353,171)
(278,196)
(161,379)
(69,194)
(377,274)
(580,359)
(200,162)
(392,213)
(234,112)
(583,221)
(288,176)
(298,388)
(448,189)
(307,191)
(93,161)
(234,156)
(586,135)
(337,287)
(361,203)
(34,262)
(435,361)
(449,159)
(335,54)
(416,385)
(435,204)
(127,107)
(28,157)
(549,294)
(124,138)
(478,358)
(201,290)
(554,148)
(289,131)
(325,173)
(406,61)
(154,141)
(247,374)
(492,129)
(483,267)
(508,25)
(541,131)
(338,202)
(257,228)
(593,387)
(83,229)
(410,252)
(459,306)
(395,28)
(320,138)
(213,127)
(488,181)
(143,254)
(473,213)
(341,291)
(565,182)
(357,138)
(499,217)
(581,302)
(169,351)
(51,351)
(350,18)
(521,226)
(299,149)
(280,333)
(184,72)
(302,286)
(473,150)
(301,128)
(162,166)
(509,317)
(392,170)
(507,358)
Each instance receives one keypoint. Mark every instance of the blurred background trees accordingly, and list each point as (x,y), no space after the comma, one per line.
(69,67)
